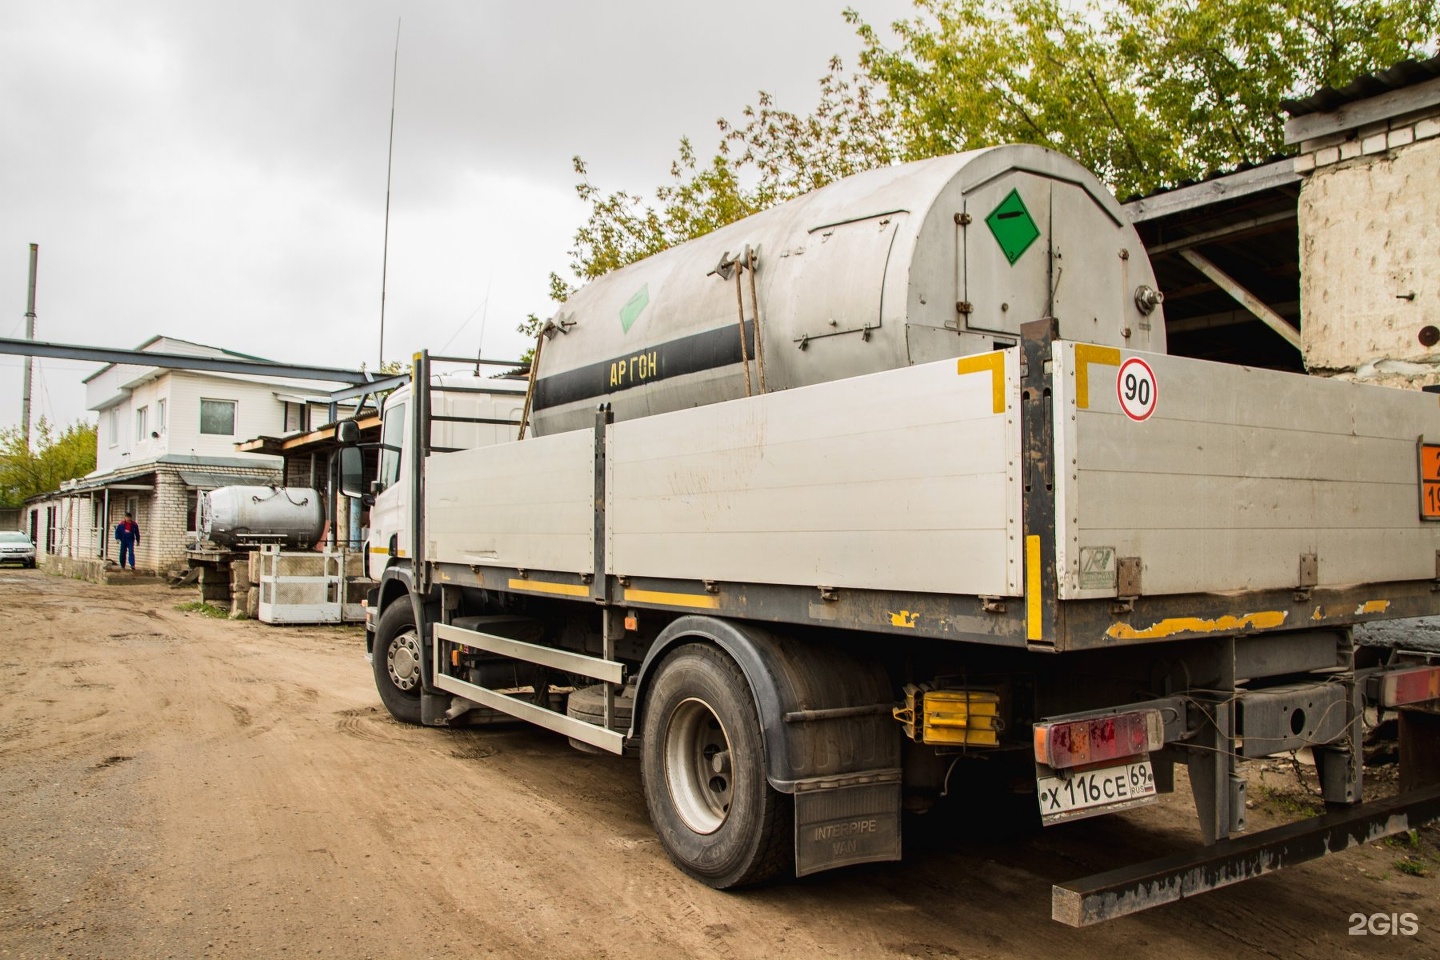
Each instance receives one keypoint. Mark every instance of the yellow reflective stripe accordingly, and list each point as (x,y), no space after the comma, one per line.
(1034,629)
(1086,354)
(1264,620)
(993,362)
(546,586)
(702,600)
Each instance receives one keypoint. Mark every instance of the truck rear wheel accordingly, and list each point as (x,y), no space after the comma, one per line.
(703,767)
(396,658)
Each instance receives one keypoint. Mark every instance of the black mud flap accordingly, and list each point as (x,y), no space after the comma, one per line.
(840,821)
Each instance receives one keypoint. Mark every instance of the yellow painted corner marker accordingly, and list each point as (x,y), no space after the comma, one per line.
(1086,354)
(993,362)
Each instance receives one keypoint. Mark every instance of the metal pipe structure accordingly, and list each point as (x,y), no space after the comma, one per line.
(389,166)
(29,335)
(179,361)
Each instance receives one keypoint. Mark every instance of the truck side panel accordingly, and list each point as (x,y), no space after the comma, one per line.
(1234,476)
(903,480)
(527,504)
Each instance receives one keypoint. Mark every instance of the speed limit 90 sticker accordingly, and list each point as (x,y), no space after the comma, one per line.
(1137,389)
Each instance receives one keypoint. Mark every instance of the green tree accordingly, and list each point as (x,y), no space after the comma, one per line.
(1146,93)
(769,156)
(26,470)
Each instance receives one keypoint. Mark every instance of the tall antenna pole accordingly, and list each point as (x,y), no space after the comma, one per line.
(389,165)
(29,335)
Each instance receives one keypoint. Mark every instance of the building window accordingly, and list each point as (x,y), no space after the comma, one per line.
(296,417)
(142,423)
(114,426)
(160,416)
(217,418)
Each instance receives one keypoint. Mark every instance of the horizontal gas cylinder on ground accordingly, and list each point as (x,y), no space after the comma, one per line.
(248,516)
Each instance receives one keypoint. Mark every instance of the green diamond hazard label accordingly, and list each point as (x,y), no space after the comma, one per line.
(1012,226)
(634,307)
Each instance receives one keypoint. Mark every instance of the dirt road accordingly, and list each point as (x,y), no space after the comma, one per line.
(177,786)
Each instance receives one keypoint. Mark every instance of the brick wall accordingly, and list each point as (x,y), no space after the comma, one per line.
(1370,251)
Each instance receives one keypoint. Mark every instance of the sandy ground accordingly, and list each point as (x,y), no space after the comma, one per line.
(178,786)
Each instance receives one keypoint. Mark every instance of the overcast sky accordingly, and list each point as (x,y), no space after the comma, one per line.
(216,171)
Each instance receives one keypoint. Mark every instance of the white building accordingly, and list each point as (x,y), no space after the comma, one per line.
(165,436)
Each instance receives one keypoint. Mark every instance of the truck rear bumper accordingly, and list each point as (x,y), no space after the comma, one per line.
(1141,886)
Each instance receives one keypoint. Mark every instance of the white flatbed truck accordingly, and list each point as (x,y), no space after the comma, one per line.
(932,548)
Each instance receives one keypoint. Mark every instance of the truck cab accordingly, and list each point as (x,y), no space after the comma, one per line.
(468,412)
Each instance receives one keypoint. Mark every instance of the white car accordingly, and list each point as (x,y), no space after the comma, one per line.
(16,547)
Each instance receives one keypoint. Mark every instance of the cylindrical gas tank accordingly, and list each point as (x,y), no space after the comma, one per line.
(246,516)
(906,264)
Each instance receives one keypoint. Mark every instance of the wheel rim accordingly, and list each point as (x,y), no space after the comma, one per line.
(697,766)
(402,661)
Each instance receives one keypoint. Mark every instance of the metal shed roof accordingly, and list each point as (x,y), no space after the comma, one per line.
(1241,227)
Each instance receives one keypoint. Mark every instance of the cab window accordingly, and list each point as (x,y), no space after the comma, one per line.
(392,435)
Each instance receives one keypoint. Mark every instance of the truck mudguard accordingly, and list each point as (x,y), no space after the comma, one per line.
(824,712)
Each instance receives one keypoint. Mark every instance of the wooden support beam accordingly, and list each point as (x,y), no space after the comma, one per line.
(1247,299)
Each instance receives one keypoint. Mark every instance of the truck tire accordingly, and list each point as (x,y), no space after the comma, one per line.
(588,704)
(702,762)
(396,658)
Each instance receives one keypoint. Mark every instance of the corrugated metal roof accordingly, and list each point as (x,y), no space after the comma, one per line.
(1406,73)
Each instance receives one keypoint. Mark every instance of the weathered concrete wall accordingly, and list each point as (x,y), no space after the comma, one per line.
(1370,253)
(75,569)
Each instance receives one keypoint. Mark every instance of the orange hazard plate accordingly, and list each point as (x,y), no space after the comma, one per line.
(1430,481)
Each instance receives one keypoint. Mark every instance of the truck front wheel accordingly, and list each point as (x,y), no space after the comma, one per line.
(396,658)
(703,767)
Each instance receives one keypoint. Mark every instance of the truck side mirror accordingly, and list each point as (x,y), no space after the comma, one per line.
(347,432)
(352,472)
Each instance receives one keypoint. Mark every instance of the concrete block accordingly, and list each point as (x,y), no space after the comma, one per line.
(301,565)
(1401,137)
(252,603)
(293,594)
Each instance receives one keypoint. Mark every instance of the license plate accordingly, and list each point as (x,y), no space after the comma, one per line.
(1094,792)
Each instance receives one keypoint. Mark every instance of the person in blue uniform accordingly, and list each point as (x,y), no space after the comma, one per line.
(128,533)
